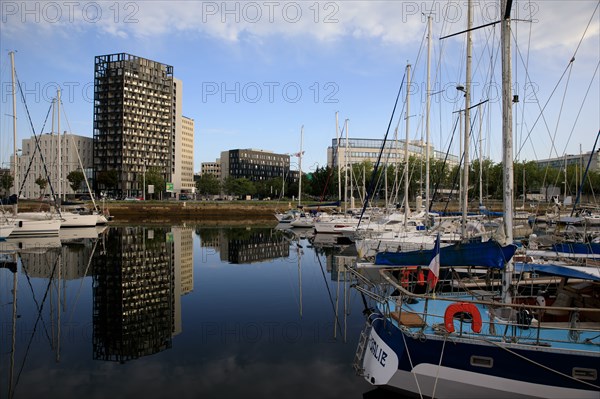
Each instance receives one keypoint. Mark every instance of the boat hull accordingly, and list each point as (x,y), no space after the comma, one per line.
(452,367)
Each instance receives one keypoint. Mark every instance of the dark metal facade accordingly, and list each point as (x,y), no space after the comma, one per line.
(133,120)
(258,165)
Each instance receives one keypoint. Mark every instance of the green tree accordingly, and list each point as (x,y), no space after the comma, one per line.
(75,179)
(238,187)
(108,179)
(208,184)
(155,177)
(6,182)
(42,183)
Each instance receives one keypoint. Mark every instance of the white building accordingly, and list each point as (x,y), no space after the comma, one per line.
(183,165)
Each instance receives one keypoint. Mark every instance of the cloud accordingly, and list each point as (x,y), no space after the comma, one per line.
(324,21)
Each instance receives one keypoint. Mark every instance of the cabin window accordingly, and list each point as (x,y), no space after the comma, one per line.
(585,374)
(482,361)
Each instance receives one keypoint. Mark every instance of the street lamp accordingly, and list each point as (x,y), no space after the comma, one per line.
(144,182)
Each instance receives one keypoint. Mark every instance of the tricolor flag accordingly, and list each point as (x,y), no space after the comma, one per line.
(434,265)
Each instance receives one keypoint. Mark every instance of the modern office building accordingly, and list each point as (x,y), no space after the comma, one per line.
(254,165)
(76,153)
(183,160)
(581,160)
(356,150)
(135,118)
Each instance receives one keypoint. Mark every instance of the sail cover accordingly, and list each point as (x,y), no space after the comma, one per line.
(488,254)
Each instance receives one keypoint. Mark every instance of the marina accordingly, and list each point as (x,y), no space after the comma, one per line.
(449,247)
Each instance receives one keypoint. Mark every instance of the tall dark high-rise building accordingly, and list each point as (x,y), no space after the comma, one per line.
(134,122)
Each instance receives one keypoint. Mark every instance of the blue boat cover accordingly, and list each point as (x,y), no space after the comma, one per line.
(487,254)
(556,270)
(577,247)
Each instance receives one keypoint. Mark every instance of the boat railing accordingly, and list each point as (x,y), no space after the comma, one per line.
(519,322)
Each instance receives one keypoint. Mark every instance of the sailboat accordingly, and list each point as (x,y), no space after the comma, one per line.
(69,218)
(28,223)
(475,331)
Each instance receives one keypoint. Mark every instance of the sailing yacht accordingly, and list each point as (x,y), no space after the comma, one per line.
(470,329)
(7,225)
(28,223)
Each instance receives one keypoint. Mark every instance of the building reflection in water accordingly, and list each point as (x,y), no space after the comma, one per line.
(137,288)
(258,244)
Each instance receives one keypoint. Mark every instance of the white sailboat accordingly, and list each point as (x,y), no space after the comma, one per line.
(69,218)
(28,223)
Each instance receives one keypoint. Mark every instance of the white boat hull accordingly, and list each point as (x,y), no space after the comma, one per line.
(76,220)
(33,227)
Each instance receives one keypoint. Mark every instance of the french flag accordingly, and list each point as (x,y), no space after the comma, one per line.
(434,265)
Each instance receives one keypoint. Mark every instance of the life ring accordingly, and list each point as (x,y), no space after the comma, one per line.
(462,307)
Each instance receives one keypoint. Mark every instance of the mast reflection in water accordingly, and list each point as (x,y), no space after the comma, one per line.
(178,311)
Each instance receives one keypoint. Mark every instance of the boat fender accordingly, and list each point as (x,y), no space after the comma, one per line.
(20,223)
(462,307)
(524,319)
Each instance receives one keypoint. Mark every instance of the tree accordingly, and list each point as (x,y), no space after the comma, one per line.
(238,187)
(109,179)
(75,179)
(6,182)
(42,183)
(155,177)
(208,184)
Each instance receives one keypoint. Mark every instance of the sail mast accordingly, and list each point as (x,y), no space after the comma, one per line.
(427,110)
(465,180)
(300,168)
(406,147)
(14,107)
(507,144)
(337,156)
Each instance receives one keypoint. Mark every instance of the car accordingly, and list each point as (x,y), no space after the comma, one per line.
(131,199)
(183,197)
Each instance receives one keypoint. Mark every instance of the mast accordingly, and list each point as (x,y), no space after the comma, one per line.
(337,148)
(351,169)
(507,144)
(346,169)
(14,107)
(465,182)
(300,167)
(480,159)
(427,110)
(406,147)
(60,188)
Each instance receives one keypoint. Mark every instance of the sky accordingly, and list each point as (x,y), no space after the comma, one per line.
(258,73)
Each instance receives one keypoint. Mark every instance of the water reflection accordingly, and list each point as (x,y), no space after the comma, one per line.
(168,310)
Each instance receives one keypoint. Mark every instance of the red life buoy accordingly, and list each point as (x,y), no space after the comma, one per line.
(465,307)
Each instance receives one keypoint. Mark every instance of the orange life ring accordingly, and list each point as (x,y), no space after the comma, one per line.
(466,308)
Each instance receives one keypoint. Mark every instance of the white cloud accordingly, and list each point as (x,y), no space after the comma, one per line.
(397,22)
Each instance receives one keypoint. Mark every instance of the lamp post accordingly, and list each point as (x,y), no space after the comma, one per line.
(144,182)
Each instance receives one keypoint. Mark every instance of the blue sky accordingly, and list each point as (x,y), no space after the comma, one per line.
(254,73)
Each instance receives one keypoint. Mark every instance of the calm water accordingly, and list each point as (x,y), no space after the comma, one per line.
(180,312)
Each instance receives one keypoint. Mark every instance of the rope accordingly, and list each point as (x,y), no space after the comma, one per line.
(437,374)
(411,365)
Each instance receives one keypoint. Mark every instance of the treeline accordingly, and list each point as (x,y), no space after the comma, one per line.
(322,183)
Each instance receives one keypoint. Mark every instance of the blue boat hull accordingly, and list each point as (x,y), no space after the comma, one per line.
(447,367)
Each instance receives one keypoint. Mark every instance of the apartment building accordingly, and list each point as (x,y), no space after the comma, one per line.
(61,154)
(136,103)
